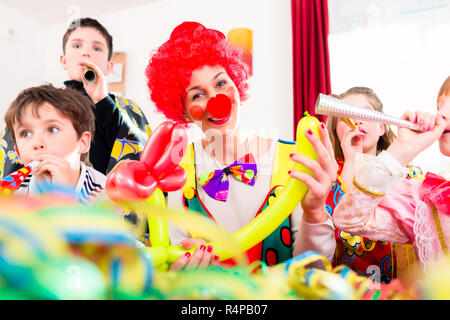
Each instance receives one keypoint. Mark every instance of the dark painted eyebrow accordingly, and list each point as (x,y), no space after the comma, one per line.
(194,88)
(217,75)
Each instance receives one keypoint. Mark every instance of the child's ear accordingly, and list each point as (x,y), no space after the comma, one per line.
(18,155)
(109,67)
(62,60)
(382,129)
(85,142)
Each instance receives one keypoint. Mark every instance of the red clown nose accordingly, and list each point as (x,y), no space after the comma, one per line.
(219,107)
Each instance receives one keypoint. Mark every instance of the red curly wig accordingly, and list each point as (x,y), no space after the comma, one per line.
(191,46)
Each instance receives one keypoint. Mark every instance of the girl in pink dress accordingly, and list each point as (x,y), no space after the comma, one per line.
(385,206)
(359,253)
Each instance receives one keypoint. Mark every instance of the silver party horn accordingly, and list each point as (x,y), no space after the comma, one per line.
(327,105)
(89,75)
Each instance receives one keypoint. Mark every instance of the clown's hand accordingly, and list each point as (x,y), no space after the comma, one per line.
(201,258)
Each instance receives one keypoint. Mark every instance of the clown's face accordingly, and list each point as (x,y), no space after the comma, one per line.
(206,83)
(444,109)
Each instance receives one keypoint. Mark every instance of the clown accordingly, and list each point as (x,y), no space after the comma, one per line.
(197,77)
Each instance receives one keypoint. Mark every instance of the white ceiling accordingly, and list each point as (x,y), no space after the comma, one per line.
(53,12)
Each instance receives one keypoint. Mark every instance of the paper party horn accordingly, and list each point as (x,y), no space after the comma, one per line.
(11,183)
(327,105)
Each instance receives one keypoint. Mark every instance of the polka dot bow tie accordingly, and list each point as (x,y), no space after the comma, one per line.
(216,184)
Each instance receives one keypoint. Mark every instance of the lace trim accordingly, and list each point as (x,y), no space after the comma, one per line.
(424,229)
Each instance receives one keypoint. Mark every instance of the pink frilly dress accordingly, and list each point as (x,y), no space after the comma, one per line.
(385,206)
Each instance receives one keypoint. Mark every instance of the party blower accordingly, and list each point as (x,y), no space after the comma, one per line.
(11,183)
(327,105)
(89,75)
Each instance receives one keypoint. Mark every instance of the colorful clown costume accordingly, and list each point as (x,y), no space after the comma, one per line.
(245,202)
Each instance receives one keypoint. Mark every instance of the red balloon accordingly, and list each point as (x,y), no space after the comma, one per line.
(219,107)
(174,181)
(130,181)
(158,166)
(156,143)
(173,153)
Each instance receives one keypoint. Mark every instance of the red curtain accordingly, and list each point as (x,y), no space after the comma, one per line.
(310,55)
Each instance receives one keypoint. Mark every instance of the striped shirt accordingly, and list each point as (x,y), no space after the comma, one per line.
(90,184)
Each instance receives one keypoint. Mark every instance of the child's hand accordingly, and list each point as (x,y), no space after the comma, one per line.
(54,170)
(410,143)
(324,172)
(99,89)
(201,258)
(351,144)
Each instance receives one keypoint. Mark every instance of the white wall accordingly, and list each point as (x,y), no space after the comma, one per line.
(22,52)
(401,51)
(395,48)
(138,30)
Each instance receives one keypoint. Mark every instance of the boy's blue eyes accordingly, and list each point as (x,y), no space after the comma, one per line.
(27,134)
(78,46)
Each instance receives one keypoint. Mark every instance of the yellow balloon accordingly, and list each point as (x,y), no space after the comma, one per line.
(158,228)
(276,212)
(259,228)
(157,254)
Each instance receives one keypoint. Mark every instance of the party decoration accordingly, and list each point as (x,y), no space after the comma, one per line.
(350,123)
(193,222)
(35,260)
(98,234)
(145,180)
(11,183)
(158,166)
(158,227)
(316,283)
(68,251)
(299,278)
(327,105)
(435,285)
